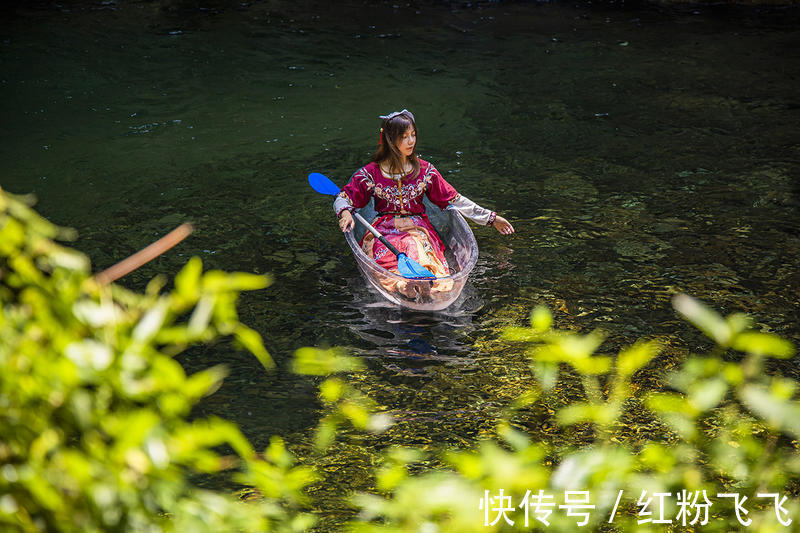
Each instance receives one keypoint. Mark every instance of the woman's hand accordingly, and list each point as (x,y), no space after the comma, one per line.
(503,226)
(346,222)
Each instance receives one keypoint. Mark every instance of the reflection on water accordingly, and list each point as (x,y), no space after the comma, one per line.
(639,152)
(405,342)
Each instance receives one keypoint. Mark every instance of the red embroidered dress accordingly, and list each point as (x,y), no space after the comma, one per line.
(401,214)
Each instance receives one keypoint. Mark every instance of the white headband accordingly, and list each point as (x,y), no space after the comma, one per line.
(390,116)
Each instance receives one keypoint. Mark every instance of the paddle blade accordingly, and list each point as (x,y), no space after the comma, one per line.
(321,184)
(410,269)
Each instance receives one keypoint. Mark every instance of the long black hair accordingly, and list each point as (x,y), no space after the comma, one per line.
(392,130)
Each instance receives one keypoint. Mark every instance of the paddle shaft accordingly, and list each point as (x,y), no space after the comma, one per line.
(377,234)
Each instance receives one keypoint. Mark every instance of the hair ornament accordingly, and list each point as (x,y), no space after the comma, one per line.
(393,114)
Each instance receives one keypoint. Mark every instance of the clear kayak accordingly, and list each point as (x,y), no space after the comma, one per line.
(425,295)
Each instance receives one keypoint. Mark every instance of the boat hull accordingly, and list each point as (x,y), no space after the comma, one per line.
(461,251)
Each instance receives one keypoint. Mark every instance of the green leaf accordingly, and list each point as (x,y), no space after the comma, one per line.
(151,322)
(707,394)
(390,477)
(89,354)
(675,411)
(575,347)
(325,433)
(664,402)
(218,281)
(758,343)
(737,323)
(97,315)
(773,408)
(243,281)
(319,362)
(379,422)
(251,340)
(704,318)
(43,444)
(356,413)
(579,469)
(517,439)
(586,412)
(575,350)
(541,319)
(201,316)
(681,424)
(468,464)
(518,334)
(404,454)
(12,237)
(187,281)
(546,374)
(331,390)
(783,388)
(733,373)
(225,317)
(277,454)
(596,365)
(93,410)
(658,457)
(637,356)
(59,257)
(204,382)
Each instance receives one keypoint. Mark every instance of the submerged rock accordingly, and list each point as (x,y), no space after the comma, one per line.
(642,248)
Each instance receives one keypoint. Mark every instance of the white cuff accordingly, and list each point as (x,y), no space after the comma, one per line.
(472,211)
(341,203)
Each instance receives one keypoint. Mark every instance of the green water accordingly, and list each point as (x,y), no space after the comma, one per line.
(639,152)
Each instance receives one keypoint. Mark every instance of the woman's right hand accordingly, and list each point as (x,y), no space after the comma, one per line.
(503,226)
(346,222)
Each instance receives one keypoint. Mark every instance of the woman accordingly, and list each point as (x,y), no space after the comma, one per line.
(397,179)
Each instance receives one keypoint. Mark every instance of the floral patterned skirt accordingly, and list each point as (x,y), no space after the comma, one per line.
(412,235)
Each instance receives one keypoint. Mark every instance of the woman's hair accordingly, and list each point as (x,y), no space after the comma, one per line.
(392,130)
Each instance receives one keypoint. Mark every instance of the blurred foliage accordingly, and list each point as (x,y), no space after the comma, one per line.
(94,430)
(95,433)
(730,428)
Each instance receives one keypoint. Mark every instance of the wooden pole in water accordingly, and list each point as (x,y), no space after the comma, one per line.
(145,255)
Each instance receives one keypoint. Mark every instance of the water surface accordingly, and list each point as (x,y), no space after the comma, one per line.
(639,152)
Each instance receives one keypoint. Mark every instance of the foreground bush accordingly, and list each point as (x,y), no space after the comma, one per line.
(95,436)
(725,457)
(94,430)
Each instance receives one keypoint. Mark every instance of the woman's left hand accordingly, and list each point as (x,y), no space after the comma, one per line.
(503,226)
(346,222)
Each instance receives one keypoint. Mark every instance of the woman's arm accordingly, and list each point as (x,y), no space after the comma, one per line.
(355,194)
(445,196)
(472,211)
(480,215)
(342,203)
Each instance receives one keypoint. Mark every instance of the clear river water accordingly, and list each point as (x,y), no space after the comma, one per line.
(640,151)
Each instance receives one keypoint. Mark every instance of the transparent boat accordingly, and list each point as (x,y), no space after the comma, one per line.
(461,251)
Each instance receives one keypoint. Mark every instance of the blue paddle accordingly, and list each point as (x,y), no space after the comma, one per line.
(407,267)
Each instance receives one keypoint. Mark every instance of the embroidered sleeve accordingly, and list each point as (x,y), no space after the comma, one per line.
(472,211)
(356,194)
(342,203)
(437,189)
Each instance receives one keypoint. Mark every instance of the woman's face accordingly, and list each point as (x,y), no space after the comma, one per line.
(407,142)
